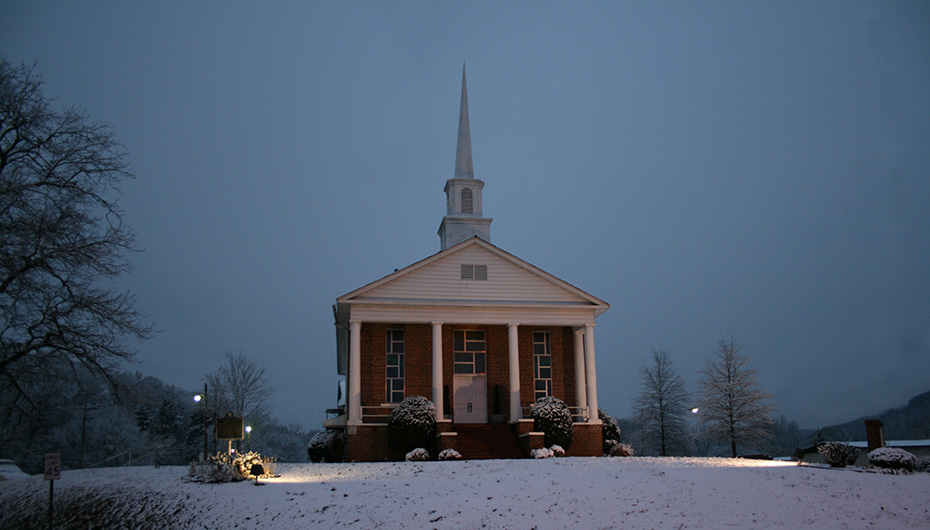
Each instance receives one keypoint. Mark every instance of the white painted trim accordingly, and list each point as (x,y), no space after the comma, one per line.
(437,369)
(513,348)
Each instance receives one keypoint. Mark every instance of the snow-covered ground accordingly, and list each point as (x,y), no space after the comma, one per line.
(557,493)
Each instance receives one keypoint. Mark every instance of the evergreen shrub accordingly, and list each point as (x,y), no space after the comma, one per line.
(412,424)
(610,430)
(893,458)
(552,417)
(327,446)
(838,454)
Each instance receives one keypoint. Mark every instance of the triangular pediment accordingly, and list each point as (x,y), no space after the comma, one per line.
(438,280)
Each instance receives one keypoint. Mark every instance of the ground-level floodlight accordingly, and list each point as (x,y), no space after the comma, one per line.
(257,471)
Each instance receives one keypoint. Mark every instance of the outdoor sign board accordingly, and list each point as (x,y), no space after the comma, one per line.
(229,428)
(52,466)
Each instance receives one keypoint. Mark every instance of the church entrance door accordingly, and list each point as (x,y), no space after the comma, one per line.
(470,398)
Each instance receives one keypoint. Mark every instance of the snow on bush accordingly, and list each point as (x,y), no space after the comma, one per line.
(923,464)
(412,424)
(621,450)
(552,417)
(228,468)
(450,454)
(838,454)
(893,458)
(557,450)
(417,455)
(610,429)
(327,446)
(545,452)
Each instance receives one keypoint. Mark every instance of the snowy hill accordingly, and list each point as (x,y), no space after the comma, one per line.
(628,493)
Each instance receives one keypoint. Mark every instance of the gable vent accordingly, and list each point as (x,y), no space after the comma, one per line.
(474,272)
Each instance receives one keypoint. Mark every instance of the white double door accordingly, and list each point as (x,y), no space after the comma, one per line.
(470,398)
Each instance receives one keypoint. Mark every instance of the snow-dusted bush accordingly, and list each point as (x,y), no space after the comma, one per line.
(545,452)
(417,455)
(838,454)
(557,450)
(228,468)
(243,463)
(923,464)
(610,429)
(552,417)
(327,446)
(450,454)
(412,424)
(621,450)
(893,458)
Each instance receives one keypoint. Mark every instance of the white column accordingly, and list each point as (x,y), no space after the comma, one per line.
(355,377)
(590,373)
(516,412)
(437,369)
(581,391)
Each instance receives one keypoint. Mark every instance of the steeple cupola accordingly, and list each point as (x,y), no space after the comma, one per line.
(463,218)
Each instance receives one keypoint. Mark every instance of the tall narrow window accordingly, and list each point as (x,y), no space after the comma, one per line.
(467,202)
(542,364)
(394,371)
(468,352)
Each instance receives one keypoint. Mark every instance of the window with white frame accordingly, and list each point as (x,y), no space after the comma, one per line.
(469,352)
(542,364)
(394,370)
(475,272)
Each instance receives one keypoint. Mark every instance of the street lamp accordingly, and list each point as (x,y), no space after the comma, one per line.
(202,398)
(248,430)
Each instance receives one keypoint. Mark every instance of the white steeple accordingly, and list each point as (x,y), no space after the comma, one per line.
(463,218)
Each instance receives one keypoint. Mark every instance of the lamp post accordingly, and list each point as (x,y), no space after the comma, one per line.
(202,399)
(248,430)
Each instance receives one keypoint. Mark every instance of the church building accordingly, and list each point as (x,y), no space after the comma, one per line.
(477,330)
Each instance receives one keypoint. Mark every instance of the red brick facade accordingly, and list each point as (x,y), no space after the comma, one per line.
(369,441)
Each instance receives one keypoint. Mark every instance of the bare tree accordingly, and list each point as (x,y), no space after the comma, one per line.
(662,406)
(733,406)
(240,387)
(62,238)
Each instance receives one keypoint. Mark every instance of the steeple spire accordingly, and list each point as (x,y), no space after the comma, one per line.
(463,219)
(463,163)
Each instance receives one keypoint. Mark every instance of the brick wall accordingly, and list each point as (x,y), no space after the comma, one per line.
(586,441)
(418,361)
(370,441)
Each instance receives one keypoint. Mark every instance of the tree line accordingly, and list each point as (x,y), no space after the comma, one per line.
(729,413)
(66,330)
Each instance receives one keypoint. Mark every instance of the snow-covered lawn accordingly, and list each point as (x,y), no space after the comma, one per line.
(557,493)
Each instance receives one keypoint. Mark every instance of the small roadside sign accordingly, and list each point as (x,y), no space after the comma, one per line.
(52,466)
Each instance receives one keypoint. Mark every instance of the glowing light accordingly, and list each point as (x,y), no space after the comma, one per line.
(197,398)
(248,428)
(695,410)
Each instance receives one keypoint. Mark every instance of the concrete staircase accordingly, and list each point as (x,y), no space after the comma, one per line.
(483,441)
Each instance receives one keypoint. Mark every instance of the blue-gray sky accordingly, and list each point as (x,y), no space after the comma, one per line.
(708,168)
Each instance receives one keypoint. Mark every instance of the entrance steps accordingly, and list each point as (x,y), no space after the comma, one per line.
(483,441)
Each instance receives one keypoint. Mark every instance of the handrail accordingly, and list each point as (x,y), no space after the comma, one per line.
(579,414)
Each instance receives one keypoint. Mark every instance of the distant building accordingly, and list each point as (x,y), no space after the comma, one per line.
(477,330)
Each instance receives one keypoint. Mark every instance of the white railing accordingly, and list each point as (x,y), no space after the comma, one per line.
(377,414)
(579,414)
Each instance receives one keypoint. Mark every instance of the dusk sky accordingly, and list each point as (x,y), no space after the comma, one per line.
(755,169)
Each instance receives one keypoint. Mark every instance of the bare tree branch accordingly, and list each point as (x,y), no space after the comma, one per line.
(733,406)
(62,240)
(661,407)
